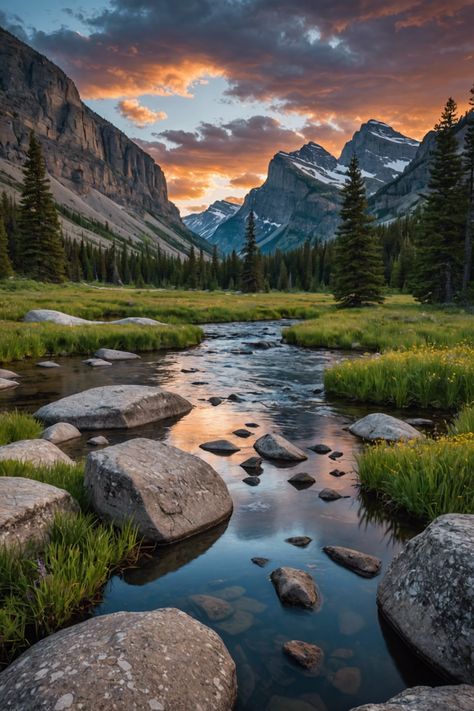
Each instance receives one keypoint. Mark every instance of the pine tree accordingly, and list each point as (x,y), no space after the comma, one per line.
(358,266)
(192,270)
(41,249)
(468,159)
(5,264)
(440,233)
(251,278)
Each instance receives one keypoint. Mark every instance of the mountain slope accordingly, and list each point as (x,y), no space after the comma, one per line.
(205,223)
(300,198)
(98,167)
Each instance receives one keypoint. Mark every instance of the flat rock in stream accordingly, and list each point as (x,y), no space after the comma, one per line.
(427,595)
(27,511)
(361,563)
(155,661)
(295,587)
(377,425)
(7,384)
(114,406)
(60,432)
(274,446)
(8,374)
(96,362)
(112,354)
(168,493)
(427,698)
(48,364)
(220,446)
(39,452)
(242,433)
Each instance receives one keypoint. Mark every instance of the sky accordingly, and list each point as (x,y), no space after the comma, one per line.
(212,89)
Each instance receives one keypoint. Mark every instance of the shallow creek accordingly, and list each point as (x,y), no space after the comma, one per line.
(364,661)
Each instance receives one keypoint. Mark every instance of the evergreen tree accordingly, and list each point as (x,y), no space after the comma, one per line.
(358,266)
(5,264)
(440,234)
(41,250)
(251,278)
(468,158)
(283,277)
(192,270)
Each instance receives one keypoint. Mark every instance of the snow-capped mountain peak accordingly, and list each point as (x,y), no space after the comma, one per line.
(206,223)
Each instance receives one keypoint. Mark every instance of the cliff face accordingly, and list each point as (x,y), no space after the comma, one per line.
(82,150)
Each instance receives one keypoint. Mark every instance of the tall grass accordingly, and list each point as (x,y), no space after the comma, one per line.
(426,376)
(69,477)
(426,478)
(16,425)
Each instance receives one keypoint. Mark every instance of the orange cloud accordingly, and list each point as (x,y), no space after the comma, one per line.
(246,180)
(132,110)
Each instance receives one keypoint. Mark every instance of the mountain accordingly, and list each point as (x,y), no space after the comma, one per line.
(299,200)
(206,223)
(97,174)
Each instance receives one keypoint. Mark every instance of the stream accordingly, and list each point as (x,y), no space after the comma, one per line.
(364,660)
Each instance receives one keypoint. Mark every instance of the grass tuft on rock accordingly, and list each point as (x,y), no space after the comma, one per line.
(15,426)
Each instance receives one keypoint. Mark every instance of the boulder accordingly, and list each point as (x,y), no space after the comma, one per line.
(96,362)
(274,446)
(27,511)
(295,587)
(114,406)
(305,654)
(99,441)
(427,698)
(380,426)
(60,432)
(363,564)
(7,384)
(168,493)
(8,374)
(48,364)
(159,660)
(62,319)
(220,446)
(111,354)
(427,595)
(39,452)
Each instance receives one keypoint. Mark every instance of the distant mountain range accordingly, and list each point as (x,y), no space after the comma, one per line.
(97,174)
(206,223)
(300,199)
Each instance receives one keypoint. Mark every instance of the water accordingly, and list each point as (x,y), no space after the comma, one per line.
(364,661)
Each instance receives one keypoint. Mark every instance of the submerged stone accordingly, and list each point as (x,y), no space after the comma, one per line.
(309,656)
(299,541)
(361,563)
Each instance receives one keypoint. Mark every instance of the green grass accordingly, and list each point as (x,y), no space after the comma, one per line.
(69,477)
(16,425)
(397,324)
(35,340)
(425,478)
(424,376)
(464,422)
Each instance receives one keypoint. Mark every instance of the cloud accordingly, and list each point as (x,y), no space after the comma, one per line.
(139,115)
(246,180)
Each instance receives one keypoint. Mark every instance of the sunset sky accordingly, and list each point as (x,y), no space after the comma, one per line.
(213,88)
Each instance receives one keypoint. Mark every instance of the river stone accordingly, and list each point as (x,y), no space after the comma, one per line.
(60,432)
(302,480)
(220,446)
(96,362)
(169,494)
(299,541)
(214,608)
(261,562)
(99,441)
(363,564)
(7,383)
(242,433)
(159,660)
(274,446)
(427,595)
(39,452)
(215,401)
(295,587)
(427,698)
(27,511)
(114,406)
(252,463)
(419,422)
(329,495)
(48,364)
(62,319)
(320,448)
(380,426)
(305,654)
(251,480)
(111,354)
(8,374)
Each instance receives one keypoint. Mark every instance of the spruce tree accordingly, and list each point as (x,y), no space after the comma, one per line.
(5,264)
(251,279)
(42,253)
(468,159)
(358,266)
(440,232)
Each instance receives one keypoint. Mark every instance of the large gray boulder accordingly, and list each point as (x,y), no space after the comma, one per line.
(27,511)
(169,494)
(162,660)
(377,425)
(62,319)
(39,452)
(427,595)
(60,432)
(114,406)
(427,698)
(274,446)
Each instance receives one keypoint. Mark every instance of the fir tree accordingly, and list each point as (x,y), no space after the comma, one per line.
(468,158)
(440,233)
(251,278)
(5,264)
(41,249)
(358,277)
(192,270)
